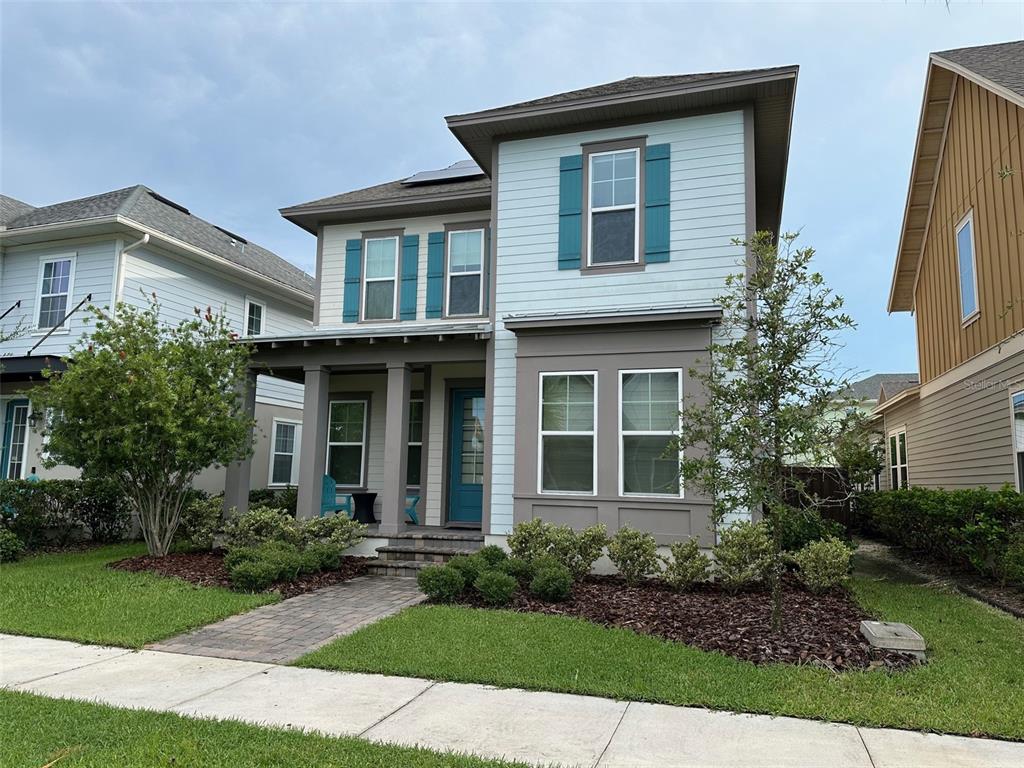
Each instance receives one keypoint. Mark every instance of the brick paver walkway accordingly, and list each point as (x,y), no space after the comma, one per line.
(282,632)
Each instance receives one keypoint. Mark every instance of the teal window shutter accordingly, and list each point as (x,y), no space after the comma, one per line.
(657,175)
(435,273)
(570,211)
(410,267)
(353,266)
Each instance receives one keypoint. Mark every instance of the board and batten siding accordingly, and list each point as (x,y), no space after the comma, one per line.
(983,137)
(93,273)
(181,286)
(708,209)
(332,269)
(961,436)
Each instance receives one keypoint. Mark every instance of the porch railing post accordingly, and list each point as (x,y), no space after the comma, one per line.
(313,451)
(396,454)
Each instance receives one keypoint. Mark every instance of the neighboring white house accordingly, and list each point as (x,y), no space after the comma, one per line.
(123,246)
(509,337)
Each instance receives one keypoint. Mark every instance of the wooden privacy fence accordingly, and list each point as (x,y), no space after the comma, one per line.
(828,484)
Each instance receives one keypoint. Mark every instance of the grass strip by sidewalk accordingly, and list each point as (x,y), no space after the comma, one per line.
(74,596)
(973,683)
(36,731)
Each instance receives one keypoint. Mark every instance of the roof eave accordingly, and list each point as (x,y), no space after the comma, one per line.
(308,217)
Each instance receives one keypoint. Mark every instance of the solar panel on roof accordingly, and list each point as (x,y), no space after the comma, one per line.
(464,169)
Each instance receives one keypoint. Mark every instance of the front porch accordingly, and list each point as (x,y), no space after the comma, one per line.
(397,417)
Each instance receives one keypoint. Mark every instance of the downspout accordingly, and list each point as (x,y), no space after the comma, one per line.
(119,282)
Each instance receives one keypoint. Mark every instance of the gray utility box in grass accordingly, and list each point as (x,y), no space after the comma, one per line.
(893,636)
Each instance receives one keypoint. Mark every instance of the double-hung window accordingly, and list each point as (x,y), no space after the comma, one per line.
(254,314)
(415,455)
(898,464)
(380,294)
(1017,405)
(284,464)
(465,272)
(967,267)
(613,207)
(648,426)
(567,461)
(346,442)
(54,291)
(15,448)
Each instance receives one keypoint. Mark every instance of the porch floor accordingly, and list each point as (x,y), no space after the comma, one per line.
(433,531)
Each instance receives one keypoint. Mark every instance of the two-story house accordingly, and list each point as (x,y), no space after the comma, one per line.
(510,337)
(960,270)
(124,246)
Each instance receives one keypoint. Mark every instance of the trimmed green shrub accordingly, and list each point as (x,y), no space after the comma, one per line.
(326,555)
(253,575)
(260,525)
(517,568)
(277,498)
(799,527)
(493,555)
(200,521)
(552,582)
(239,555)
(743,555)
(104,510)
(441,583)
(687,566)
(634,553)
(496,587)
(967,528)
(470,566)
(1011,563)
(530,539)
(62,511)
(340,530)
(823,564)
(577,551)
(11,547)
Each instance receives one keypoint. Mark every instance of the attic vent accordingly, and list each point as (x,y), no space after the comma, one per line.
(234,238)
(460,171)
(171,203)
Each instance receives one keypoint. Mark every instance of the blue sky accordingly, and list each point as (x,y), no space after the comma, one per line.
(235,110)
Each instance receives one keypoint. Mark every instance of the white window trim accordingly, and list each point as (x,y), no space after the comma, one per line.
(66,326)
(541,434)
(623,434)
(889,467)
(362,459)
(394,280)
(968,219)
(1017,388)
(249,301)
(24,449)
(449,274)
(409,442)
(274,453)
(591,210)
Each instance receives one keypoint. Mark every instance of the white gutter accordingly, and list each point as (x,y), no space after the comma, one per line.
(119,277)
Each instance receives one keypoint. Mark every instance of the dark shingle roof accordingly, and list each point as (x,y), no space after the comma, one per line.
(143,205)
(11,209)
(1002,63)
(397,191)
(892,383)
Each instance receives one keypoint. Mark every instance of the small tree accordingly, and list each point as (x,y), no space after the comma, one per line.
(858,452)
(768,386)
(149,406)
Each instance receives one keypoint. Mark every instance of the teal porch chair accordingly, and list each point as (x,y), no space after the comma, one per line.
(410,508)
(329,499)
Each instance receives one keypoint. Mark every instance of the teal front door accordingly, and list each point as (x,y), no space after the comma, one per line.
(466,470)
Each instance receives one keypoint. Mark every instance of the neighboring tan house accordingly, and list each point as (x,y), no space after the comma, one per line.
(960,269)
(510,337)
(122,246)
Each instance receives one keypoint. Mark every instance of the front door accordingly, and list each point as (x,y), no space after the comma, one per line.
(12,457)
(466,469)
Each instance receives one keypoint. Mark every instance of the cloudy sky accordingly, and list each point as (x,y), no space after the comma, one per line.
(235,110)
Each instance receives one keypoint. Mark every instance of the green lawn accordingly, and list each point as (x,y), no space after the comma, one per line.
(75,597)
(35,731)
(973,684)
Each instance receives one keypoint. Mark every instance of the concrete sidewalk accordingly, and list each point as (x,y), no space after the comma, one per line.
(539,728)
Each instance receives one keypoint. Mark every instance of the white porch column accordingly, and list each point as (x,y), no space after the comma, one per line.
(396,454)
(237,478)
(313,451)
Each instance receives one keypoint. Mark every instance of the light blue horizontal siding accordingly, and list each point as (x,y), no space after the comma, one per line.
(708,209)
(19,279)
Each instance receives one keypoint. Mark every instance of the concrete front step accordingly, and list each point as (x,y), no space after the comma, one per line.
(437,538)
(428,554)
(398,567)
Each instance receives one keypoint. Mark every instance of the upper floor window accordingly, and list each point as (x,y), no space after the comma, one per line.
(967,267)
(898,463)
(613,206)
(54,291)
(465,272)
(648,425)
(254,314)
(380,295)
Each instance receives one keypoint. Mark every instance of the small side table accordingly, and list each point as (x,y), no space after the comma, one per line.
(362,504)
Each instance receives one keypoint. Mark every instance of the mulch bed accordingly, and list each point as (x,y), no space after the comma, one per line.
(206,569)
(823,630)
